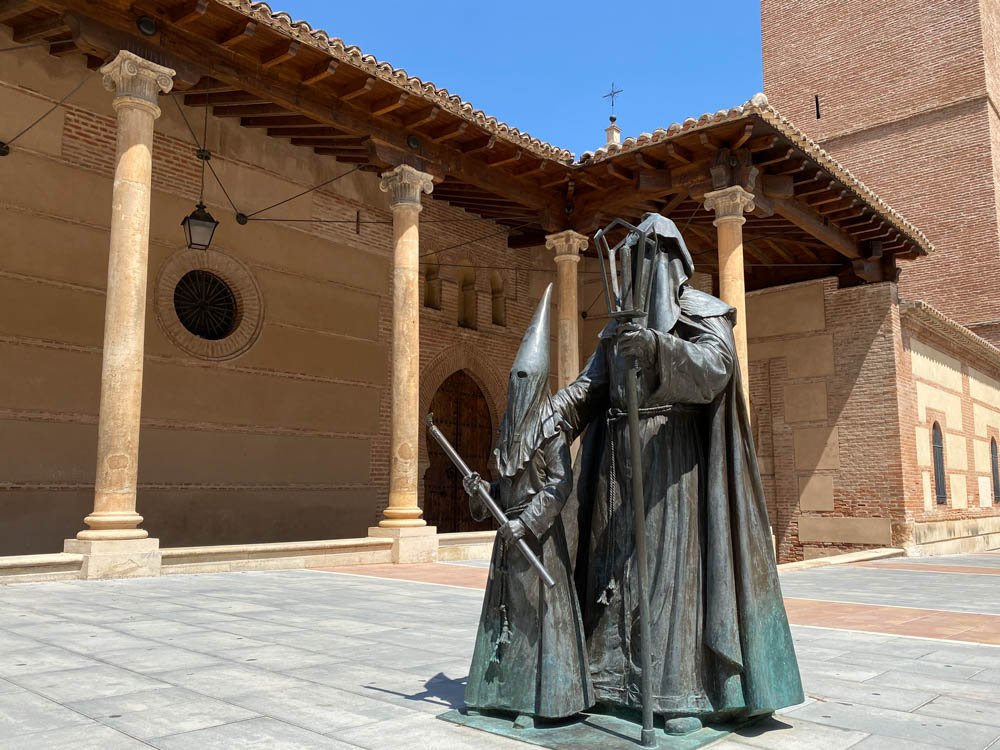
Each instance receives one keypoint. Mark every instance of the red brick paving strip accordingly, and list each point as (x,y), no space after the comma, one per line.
(963,569)
(924,623)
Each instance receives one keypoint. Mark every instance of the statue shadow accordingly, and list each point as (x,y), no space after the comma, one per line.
(762,726)
(448,692)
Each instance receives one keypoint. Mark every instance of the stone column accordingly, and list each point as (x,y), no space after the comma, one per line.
(414,540)
(114,545)
(567,246)
(729,205)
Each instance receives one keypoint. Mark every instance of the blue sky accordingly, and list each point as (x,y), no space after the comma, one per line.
(544,66)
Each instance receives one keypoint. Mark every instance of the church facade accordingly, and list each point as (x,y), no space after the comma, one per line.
(281,378)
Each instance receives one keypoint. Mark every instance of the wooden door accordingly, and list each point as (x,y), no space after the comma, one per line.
(463,415)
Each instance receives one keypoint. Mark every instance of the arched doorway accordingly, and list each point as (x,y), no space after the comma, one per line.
(462,413)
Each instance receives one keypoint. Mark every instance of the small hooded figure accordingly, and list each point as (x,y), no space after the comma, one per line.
(530,656)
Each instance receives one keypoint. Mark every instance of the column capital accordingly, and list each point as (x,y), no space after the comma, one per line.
(729,204)
(136,81)
(567,245)
(405,184)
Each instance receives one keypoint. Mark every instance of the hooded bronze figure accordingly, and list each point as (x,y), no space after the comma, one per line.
(720,645)
(530,657)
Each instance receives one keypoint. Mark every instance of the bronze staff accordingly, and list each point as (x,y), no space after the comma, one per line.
(490,503)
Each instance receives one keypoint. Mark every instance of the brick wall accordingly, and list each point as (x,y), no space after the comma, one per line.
(903,89)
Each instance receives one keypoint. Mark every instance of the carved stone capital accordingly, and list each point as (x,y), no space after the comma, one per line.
(729,204)
(567,245)
(404,184)
(136,81)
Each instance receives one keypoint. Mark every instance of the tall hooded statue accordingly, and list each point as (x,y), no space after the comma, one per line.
(721,646)
(530,656)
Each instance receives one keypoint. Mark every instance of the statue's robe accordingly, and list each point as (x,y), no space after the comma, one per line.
(530,656)
(720,639)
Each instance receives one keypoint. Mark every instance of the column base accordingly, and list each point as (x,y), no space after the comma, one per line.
(118,558)
(417,544)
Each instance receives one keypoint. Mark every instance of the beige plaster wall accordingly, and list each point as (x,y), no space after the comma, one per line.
(823,400)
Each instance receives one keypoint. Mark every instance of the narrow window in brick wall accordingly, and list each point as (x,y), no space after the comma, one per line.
(432,285)
(499,299)
(995,464)
(817,106)
(937,444)
(468,303)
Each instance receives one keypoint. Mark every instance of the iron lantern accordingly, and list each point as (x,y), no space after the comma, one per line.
(199,227)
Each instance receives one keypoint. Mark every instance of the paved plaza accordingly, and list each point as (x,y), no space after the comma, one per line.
(895,654)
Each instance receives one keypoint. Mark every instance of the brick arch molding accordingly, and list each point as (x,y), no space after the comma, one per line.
(439,369)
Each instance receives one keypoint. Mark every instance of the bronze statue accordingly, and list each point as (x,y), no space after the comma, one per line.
(662,524)
(719,644)
(530,657)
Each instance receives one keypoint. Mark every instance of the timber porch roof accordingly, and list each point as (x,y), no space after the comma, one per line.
(245,61)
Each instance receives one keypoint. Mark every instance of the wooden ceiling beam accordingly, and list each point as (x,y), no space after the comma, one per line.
(504,160)
(209,86)
(280,54)
(321,131)
(389,104)
(761,143)
(319,73)
(814,224)
(347,141)
(187,13)
(783,156)
(480,144)
(250,110)
(451,131)
(353,91)
(423,117)
(743,137)
(238,35)
(679,153)
(287,120)
(221,97)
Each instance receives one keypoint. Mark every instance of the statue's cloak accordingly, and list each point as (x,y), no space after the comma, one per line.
(748,663)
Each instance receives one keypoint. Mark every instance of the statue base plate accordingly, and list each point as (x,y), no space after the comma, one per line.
(588,730)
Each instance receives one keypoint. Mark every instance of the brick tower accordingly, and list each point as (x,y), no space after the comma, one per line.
(905,94)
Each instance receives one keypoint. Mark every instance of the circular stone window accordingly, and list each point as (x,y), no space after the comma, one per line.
(208,304)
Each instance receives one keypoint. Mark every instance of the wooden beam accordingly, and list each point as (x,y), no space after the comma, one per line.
(671,205)
(506,159)
(451,131)
(335,141)
(346,158)
(744,136)
(39,29)
(355,90)
(482,144)
(783,156)
(248,110)
(762,143)
(421,118)
(238,35)
(188,13)
(321,72)
(389,104)
(619,174)
(280,54)
(221,97)
(288,120)
(209,86)
(814,224)
(643,161)
(320,131)
(679,153)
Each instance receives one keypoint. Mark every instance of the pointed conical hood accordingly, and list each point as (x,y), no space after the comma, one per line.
(533,356)
(527,420)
